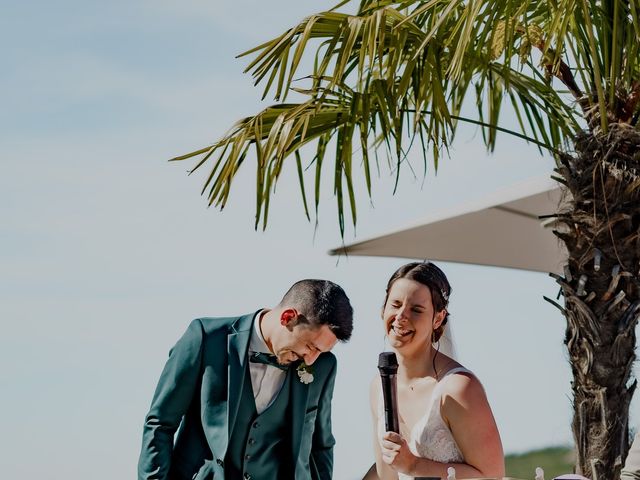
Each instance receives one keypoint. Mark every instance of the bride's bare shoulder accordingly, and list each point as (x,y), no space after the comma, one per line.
(445,363)
(463,388)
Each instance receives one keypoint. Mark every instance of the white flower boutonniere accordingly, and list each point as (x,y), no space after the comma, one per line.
(305,373)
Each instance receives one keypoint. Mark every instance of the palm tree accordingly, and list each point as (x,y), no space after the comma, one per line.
(397,71)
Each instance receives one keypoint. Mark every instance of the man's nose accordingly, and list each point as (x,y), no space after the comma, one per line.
(311,357)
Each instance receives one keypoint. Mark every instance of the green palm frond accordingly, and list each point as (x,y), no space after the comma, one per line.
(399,70)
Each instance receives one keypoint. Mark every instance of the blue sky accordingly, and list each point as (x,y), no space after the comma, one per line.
(108,251)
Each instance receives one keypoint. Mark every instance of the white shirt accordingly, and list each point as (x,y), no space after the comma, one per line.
(266,380)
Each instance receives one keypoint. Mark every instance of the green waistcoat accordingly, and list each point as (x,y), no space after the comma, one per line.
(258,448)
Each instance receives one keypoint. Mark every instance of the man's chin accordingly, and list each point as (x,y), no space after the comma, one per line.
(286,359)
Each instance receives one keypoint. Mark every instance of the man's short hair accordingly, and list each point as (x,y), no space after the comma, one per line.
(321,302)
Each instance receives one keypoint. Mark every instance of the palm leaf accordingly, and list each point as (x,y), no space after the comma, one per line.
(395,70)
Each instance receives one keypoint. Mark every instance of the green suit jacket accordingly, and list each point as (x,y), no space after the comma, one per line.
(199,391)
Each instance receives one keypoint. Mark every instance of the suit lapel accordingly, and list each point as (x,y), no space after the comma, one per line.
(237,345)
(299,396)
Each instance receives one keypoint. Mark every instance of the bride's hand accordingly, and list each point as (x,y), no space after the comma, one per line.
(396,453)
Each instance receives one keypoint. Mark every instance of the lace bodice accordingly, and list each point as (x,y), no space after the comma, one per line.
(430,436)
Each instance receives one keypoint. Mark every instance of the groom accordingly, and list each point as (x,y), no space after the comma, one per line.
(251,395)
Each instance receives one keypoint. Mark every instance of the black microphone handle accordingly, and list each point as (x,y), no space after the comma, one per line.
(389,396)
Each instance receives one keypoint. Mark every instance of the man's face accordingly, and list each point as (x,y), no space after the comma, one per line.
(300,342)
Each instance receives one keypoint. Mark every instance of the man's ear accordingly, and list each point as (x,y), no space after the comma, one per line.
(289,318)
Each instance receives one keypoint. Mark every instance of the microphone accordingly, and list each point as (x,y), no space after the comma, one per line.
(388,367)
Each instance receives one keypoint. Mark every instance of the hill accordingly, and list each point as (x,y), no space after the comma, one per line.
(553,460)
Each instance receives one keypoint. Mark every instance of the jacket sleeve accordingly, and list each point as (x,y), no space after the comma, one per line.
(323,440)
(631,469)
(174,393)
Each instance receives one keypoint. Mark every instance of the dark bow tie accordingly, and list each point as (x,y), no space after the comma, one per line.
(266,359)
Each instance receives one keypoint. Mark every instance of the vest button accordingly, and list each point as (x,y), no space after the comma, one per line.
(255,425)
(247,456)
(247,476)
(251,441)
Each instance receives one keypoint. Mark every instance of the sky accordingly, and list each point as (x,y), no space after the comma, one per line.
(108,250)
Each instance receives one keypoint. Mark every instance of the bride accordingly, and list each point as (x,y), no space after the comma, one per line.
(445,419)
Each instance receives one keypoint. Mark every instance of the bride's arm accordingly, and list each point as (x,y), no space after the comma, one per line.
(382,469)
(466,410)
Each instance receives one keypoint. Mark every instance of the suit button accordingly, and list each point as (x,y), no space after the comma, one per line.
(252,441)
(220,462)
(247,456)
(247,476)
(255,425)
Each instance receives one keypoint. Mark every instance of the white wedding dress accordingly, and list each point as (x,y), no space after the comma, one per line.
(430,436)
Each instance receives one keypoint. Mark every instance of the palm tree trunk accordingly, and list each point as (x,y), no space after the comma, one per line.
(600,225)
(601,361)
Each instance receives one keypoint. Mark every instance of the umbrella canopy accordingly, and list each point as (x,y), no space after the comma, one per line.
(502,230)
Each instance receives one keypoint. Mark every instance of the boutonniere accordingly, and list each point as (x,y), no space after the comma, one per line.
(305,373)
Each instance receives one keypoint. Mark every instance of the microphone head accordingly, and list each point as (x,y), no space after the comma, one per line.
(388,363)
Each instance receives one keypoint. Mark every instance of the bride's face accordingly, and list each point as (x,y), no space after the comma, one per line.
(408,314)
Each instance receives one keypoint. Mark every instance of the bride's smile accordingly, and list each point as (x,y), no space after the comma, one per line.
(401,331)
